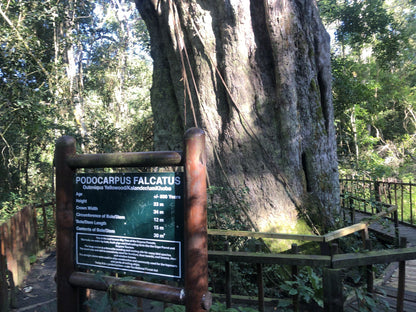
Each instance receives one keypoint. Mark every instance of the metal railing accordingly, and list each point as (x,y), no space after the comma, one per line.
(390,191)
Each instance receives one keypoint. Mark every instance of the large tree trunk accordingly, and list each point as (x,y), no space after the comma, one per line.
(255,75)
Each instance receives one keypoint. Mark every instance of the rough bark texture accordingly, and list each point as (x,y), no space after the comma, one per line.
(255,75)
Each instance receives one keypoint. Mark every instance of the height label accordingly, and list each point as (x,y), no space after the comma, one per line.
(130,223)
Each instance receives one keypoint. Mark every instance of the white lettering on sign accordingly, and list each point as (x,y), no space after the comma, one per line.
(96,181)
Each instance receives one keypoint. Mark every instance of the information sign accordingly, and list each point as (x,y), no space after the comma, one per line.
(130,223)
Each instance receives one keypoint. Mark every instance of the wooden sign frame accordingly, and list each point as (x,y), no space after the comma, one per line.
(71,284)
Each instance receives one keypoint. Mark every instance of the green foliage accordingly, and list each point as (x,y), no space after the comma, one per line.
(68,68)
(9,207)
(109,302)
(373,66)
(32,259)
(220,307)
(216,307)
(175,308)
(366,302)
(222,214)
(308,287)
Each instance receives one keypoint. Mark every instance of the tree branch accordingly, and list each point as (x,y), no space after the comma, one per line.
(19,36)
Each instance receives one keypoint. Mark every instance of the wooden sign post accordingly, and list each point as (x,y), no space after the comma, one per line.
(91,234)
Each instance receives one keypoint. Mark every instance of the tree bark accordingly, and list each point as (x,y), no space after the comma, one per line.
(255,75)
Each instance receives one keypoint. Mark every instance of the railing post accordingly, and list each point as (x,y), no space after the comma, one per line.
(352,210)
(4,295)
(295,272)
(54,210)
(402,279)
(45,224)
(365,236)
(332,284)
(325,251)
(396,227)
(369,273)
(411,202)
(198,298)
(377,191)
(401,201)
(227,278)
(35,226)
(67,295)
(260,287)
(333,296)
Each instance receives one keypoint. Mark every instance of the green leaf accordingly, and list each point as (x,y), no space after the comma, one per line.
(103,304)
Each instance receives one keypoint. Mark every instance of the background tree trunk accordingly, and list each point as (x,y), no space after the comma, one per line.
(256,77)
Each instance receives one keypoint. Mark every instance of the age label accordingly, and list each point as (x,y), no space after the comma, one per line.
(130,223)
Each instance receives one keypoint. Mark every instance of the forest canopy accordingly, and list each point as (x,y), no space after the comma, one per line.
(78,68)
(374,76)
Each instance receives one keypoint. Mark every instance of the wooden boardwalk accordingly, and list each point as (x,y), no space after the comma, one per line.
(386,288)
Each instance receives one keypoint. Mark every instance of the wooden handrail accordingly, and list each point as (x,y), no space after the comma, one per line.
(363,225)
(373,257)
(336,261)
(344,231)
(330,264)
(381,214)
(270,258)
(301,237)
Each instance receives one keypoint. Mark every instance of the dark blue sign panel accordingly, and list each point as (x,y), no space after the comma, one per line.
(130,223)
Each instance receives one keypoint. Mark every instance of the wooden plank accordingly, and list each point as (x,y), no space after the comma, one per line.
(332,285)
(240,299)
(282,259)
(19,242)
(300,237)
(392,292)
(408,306)
(381,301)
(159,292)
(401,285)
(373,257)
(409,286)
(386,212)
(345,231)
(4,296)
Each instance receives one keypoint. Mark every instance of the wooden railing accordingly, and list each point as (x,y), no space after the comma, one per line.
(47,223)
(375,211)
(391,191)
(4,294)
(21,237)
(329,260)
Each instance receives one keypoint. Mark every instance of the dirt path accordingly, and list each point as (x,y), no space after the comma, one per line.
(38,291)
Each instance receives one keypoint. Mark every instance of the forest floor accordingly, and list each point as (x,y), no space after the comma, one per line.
(38,291)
